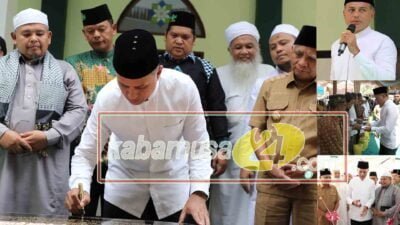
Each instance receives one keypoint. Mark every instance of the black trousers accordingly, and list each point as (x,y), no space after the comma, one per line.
(149,214)
(369,222)
(387,151)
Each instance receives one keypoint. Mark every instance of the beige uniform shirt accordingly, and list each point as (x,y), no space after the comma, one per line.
(281,94)
(331,198)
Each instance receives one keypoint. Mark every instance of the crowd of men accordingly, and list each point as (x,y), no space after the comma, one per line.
(377,115)
(359,199)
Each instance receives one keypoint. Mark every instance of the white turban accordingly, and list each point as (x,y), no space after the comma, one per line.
(241,28)
(30,16)
(386,174)
(285,28)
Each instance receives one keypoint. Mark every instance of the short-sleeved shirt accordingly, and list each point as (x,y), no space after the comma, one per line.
(281,94)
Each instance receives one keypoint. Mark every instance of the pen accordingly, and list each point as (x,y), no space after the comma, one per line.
(80,196)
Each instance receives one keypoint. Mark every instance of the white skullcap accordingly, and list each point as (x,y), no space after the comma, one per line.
(386,174)
(30,16)
(285,28)
(241,28)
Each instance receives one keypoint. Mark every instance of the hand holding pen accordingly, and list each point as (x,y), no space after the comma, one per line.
(76,200)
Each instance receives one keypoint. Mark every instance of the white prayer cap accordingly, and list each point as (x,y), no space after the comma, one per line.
(241,28)
(386,174)
(30,16)
(285,28)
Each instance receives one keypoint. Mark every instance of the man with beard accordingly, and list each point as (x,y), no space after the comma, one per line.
(281,46)
(294,91)
(387,198)
(229,203)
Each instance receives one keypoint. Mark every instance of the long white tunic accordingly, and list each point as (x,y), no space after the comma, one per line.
(229,204)
(363,190)
(342,189)
(138,142)
(375,61)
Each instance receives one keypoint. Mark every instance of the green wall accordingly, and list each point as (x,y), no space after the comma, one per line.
(299,12)
(330,22)
(23,4)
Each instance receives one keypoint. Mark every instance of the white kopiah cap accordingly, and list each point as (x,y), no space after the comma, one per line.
(241,28)
(30,16)
(386,174)
(285,28)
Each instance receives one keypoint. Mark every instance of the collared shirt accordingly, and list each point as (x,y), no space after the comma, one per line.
(328,198)
(175,92)
(95,70)
(241,94)
(363,190)
(387,125)
(278,70)
(280,93)
(375,61)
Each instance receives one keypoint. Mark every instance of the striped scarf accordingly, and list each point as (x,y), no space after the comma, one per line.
(52,93)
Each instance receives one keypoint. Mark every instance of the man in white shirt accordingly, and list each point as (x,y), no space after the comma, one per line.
(361,196)
(386,126)
(281,46)
(229,203)
(143,86)
(370,55)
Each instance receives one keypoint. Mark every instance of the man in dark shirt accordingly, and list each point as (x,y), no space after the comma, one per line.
(179,42)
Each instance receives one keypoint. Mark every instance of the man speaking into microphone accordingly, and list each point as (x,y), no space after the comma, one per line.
(362,53)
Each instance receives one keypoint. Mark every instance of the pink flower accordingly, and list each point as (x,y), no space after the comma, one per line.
(332,216)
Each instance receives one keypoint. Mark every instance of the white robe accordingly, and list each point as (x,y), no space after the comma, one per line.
(342,189)
(363,190)
(229,204)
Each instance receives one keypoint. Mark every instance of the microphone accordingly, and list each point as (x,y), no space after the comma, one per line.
(342,47)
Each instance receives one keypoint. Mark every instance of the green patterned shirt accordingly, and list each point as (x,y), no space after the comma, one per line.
(95,71)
